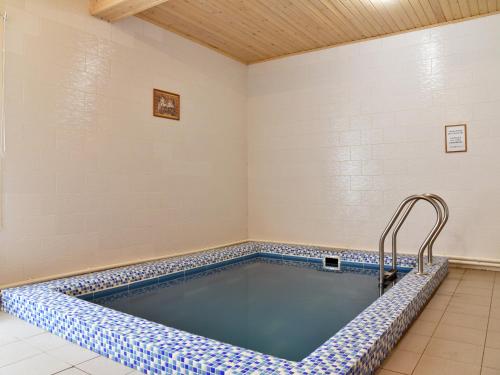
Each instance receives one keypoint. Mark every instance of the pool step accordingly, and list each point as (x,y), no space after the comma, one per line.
(390,275)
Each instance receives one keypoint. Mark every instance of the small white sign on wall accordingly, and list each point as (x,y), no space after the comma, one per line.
(456,138)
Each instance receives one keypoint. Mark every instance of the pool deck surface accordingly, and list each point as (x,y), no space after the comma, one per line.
(29,350)
(458,333)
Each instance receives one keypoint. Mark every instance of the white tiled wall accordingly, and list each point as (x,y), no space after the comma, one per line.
(91,177)
(337,138)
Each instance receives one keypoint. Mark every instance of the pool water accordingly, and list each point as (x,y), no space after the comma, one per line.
(283,308)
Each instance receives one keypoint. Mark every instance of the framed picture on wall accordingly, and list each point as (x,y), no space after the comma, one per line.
(456,138)
(166,104)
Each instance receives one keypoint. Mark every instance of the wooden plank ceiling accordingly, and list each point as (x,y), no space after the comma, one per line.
(256,30)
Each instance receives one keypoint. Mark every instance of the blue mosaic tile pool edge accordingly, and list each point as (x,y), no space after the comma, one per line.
(221,265)
(358,348)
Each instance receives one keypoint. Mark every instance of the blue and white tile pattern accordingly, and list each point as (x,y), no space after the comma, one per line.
(152,348)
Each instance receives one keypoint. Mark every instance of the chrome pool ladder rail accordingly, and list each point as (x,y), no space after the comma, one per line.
(443,220)
(442,214)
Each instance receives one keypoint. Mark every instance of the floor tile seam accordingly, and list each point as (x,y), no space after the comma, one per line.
(454,360)
(72,364)
(88,360)
(487,328)
(31,336)
(474,287)
(446,310)
(11,342)
(432,334)
(22,360)
(69,368)
(43,350)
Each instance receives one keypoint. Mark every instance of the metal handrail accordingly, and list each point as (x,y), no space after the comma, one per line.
(430,236)
(444,220)
(405,215)
(396,230)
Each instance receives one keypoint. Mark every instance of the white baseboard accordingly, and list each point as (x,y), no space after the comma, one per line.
(475,263)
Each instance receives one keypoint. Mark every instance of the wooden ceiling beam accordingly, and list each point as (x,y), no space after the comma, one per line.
(114,10)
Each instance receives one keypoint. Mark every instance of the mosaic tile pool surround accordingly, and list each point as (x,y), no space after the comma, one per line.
(152,348)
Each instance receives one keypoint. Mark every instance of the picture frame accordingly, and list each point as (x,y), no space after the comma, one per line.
(455,138)
(166,104)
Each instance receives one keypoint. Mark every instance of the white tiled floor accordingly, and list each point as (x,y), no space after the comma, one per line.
(458,332)
(28,350)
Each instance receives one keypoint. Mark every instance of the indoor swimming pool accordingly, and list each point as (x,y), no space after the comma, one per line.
(279,307)
(254,307)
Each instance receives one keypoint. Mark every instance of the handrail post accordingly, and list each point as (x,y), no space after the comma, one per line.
(445,216)
(403,218)
(396,230)
(430,236)
(381,244)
